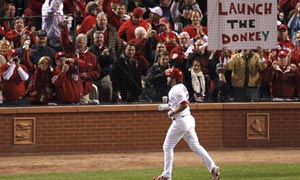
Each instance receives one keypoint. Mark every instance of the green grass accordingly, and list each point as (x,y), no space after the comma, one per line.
(229,172)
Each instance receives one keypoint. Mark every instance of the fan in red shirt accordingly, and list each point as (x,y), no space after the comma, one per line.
(66,80)
(196,30)
(89,68)
(13,76)
(15,34)
(90,20)
(126,31)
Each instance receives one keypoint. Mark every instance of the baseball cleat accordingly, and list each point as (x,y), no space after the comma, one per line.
(161,178)
(215,173)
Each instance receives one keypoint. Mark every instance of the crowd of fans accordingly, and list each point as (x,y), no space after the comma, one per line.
(117,51)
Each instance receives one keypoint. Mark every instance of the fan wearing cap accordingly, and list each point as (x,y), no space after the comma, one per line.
(283,39)
(286,77)
(182,127)
(90,19)
(126,30)
(13,76)
(41,48)
(167,35)
(40,89)
(15,34)
(66,80)
(155,14)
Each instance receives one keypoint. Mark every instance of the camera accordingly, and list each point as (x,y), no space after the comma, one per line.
(16,60)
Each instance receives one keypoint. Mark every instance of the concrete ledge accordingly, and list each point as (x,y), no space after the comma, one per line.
(145,107)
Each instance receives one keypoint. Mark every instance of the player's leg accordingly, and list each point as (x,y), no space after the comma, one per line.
(173,136)
(190,136)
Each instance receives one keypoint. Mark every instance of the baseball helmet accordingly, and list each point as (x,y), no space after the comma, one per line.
(176,73)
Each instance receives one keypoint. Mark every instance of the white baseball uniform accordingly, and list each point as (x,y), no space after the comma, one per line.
(183,126)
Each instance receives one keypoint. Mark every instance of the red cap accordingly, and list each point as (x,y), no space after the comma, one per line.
(59,54)
(138,12)
(176,73)
(282,26)
(11,53)
(283,52)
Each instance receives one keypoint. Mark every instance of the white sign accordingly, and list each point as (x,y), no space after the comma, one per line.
(242,24)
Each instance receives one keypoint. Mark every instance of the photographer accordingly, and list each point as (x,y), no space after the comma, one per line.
(66,80)
(13,76)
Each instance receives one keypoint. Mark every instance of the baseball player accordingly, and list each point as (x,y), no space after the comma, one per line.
(183,126)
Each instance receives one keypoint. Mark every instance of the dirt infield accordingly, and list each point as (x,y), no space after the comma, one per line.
(37,164)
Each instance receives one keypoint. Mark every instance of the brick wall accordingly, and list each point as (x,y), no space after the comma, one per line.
(143,128)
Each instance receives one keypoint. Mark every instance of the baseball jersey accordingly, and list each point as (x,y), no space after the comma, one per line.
(177,95)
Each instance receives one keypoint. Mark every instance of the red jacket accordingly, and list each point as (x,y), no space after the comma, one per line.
(87,24)
(15,37)
(113,18)
(68,85)
(285,83)
(14,88)
(126,31)
(193,31)
(88,62)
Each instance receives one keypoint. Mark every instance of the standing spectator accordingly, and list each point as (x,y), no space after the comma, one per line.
(89,68)
(294,23)
(285,80)
(40,89)
(111,38)
(196,30)
(167,36)
(66,80)
(9,16)
(155,14)
(295,54)
(283,39)
(105,59)
(53,16)
(180,54)
(41,48)
(140,43)
(5,45)
(158,79)
(166,6)
(90,20)
(13,76)
(221,91)
(154,56)
(201,53)
(195,82)
(126,31)
(34,9)
(116,15)
(245,67)
(183,18)
(126,78)
(15,34)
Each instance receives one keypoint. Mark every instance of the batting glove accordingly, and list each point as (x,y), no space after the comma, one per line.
(163,107)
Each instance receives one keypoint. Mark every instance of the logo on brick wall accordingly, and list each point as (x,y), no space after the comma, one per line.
(24,130)
(258,126)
